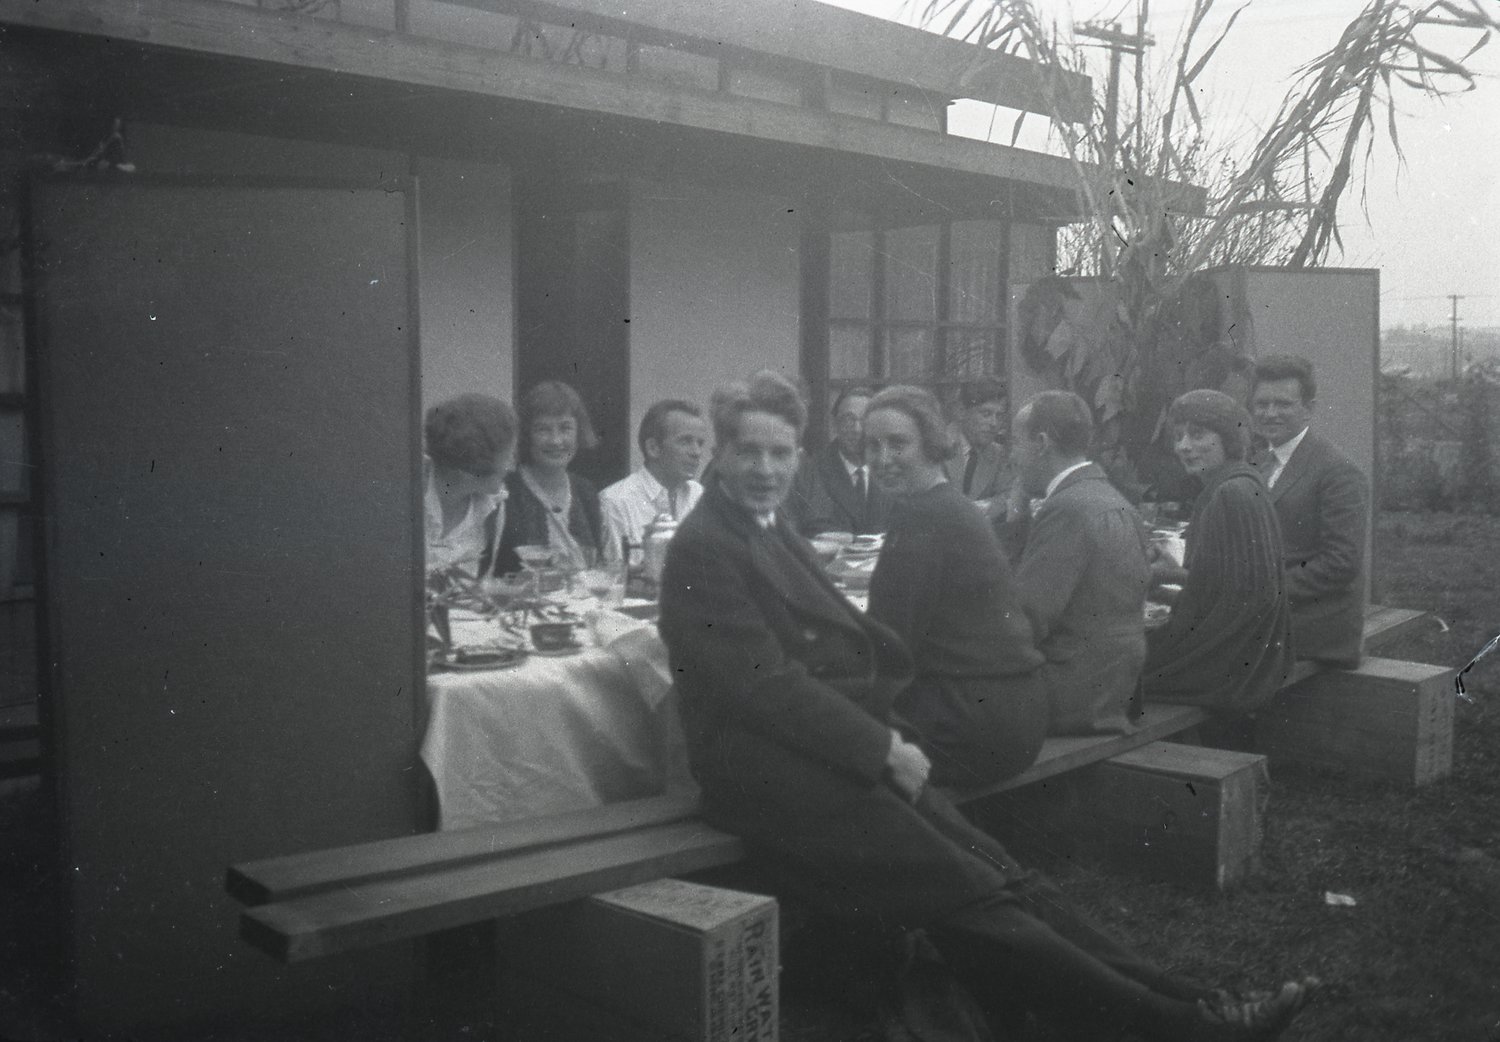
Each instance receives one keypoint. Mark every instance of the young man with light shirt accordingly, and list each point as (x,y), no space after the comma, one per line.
(1323,503)
(1083,574)
(673,437)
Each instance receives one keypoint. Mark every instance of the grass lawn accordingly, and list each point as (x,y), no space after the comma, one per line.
(1417,958)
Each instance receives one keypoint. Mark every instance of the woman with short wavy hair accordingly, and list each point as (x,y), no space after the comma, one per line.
(1227,644)
(549,505)
(944,586)
(471,440)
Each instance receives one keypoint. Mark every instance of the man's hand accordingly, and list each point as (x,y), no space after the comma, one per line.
(907,767)
(1018,502)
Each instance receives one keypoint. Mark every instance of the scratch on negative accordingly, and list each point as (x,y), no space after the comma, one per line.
(1458,678)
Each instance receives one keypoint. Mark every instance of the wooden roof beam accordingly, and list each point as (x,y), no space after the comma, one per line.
(830,37)
(299,41)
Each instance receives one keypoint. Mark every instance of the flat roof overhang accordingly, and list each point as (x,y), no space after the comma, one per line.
(238,68)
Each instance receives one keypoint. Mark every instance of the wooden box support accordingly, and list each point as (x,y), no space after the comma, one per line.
(672,958)
(1388,718)
(1169,811)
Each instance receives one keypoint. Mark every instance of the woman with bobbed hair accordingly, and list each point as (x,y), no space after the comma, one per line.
(1227,644)
(471,441)
(548,504)
(943,584)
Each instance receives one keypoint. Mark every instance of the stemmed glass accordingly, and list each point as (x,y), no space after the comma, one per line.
(535,559)
(604,581)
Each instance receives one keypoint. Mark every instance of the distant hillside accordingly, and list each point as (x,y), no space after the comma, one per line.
(1427,350)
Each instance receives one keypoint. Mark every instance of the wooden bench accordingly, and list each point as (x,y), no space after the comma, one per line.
(1193,814)
(304,906)
(1202,807)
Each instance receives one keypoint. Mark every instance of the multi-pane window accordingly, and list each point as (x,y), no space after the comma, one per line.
(918,304)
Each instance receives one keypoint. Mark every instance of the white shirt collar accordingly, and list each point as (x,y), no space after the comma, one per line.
(852,468)
(1283,452)
(659,493)
(1058,478)
(654,489)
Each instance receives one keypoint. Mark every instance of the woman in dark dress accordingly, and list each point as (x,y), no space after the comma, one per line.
(785,694)
(548,505)
(1227,644)
(943,584)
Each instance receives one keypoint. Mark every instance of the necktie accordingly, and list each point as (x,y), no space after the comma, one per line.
(969,469)
(859,483)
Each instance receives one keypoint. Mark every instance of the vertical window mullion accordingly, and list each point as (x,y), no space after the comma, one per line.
(877,305)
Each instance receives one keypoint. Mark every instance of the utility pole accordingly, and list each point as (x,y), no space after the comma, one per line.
(1453,359)
(1119,43)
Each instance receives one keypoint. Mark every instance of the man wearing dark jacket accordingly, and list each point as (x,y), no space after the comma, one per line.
(833,491)
(1083,573)
(1323,502)
(786,694)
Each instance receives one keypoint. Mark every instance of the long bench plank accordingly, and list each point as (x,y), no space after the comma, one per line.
(1066,753)
(281,878)
(335,900)
(1384,625)
(412,906)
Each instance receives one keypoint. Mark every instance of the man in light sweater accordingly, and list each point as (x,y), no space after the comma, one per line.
(673,438)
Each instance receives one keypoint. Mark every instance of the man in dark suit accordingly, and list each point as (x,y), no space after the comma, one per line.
(786,694)
(833,491)
(1323,502)
(981,469)
(1083,573)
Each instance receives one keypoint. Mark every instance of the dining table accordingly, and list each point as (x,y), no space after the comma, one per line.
(555,731)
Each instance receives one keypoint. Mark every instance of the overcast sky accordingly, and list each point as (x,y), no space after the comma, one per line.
(1434,224)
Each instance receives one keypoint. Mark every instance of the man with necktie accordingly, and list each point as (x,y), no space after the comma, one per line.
(981,468)
(1323,503)
(833,491)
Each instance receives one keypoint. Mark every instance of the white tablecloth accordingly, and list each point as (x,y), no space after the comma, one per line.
(555,734)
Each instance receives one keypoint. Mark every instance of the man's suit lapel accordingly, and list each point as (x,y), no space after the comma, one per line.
(954,468)
(776,555)
(836,481)
(987,472)
(1298,467)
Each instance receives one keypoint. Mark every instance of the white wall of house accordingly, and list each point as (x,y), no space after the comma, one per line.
(713,290)
(465,280)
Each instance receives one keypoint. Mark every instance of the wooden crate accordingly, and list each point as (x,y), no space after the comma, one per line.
(1388,718)
(690,962)
(1168,811)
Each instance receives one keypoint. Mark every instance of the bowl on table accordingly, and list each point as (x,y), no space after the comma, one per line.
(863,547)
(536,556)
(825,548)
(553,636)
